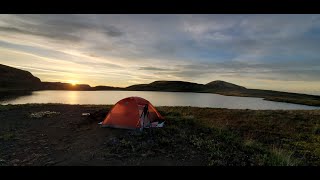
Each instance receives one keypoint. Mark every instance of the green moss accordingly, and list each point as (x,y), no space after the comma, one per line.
(316,129)
(221,135)
(7,136)
(280,157)
(6,107)
(2,162)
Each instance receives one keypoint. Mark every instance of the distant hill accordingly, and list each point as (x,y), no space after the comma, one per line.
(175,86)
(103,88)
(17,79)
(77,87)
(182,86)
(222,85)
(278,96)
(228,89)
(13,79)
(64,86)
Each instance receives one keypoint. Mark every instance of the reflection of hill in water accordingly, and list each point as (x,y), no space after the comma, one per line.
(10,95)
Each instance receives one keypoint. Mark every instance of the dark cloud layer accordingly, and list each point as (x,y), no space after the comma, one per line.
(60,28)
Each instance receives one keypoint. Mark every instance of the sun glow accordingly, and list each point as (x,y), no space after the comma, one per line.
(73,82)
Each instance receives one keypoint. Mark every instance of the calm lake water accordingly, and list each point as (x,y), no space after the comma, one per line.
(156,98)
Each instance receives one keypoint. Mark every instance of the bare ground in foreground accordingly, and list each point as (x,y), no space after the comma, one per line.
(192,136)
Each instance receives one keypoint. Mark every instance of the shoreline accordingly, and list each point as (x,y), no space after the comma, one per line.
(310,100)
(160,106)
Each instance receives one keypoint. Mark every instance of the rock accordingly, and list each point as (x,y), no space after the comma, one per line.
(25,160)
(50,163)
(144,155)
(15,161)
(85,114)
(44,114)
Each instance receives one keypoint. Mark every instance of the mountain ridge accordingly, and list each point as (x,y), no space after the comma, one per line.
(16,79)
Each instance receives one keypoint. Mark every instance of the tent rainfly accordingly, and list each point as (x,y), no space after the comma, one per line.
(133,113)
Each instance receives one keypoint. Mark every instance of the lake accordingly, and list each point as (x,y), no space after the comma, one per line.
(156,98)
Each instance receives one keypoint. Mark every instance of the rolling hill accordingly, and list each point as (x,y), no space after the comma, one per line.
(173,86)
(17,79)
(12,79)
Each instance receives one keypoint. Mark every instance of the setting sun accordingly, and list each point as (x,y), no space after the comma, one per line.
(73,82)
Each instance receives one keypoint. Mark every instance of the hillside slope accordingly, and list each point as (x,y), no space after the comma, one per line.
(17,79)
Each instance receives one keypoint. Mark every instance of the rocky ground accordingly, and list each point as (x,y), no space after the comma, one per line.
(56,134)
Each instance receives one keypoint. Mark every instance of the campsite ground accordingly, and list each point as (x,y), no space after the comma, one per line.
(192,136)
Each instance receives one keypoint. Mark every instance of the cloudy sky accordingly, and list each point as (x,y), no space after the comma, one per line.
(278,52)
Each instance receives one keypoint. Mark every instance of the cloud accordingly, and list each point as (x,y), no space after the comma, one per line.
(58,27)
(150,68)
(286,70)
(47,34)
(193,47)
(113,31)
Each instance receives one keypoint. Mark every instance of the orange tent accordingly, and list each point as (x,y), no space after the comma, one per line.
(127,114)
